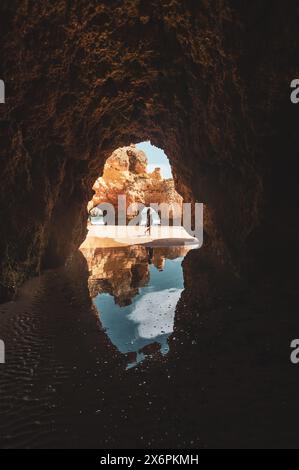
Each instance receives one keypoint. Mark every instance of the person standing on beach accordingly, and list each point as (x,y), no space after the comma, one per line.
(148,221)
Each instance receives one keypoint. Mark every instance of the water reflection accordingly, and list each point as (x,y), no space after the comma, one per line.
(135,290)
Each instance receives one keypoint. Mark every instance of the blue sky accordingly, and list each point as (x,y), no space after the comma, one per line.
(156,158)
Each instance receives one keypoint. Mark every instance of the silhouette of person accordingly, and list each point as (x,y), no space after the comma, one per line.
(148,221)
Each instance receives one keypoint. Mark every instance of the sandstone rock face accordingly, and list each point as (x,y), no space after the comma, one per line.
(125,174)
(206,81)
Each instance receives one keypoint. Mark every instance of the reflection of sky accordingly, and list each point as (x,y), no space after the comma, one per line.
(154,313)
(156,158)
(150,318)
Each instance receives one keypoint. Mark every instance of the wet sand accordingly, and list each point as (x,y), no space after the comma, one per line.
(226,383)
(113,236)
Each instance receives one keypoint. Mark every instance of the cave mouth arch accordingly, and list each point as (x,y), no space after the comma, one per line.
(86,90)
(136,275)
(133,271)
(136,179)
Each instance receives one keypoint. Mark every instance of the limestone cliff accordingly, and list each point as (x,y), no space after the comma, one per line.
(125,173)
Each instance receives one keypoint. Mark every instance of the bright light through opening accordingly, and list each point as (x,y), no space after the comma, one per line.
(156,159)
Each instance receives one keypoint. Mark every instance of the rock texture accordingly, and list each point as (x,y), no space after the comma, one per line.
(207,81)
(125,174)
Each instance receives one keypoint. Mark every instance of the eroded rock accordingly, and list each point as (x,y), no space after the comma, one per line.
(125,174)
(206,81)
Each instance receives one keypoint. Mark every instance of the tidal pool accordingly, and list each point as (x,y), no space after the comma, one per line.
(136,291)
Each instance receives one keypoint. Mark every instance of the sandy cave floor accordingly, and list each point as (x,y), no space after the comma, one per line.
(113,236)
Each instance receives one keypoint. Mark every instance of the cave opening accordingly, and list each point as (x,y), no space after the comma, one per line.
(135,200)
(135,247)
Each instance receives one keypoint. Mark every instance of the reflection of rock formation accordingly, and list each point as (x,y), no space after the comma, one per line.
(118,272)
(122,271)
(160,255)
(125,173)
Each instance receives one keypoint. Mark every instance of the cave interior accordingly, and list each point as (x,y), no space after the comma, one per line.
(209,83)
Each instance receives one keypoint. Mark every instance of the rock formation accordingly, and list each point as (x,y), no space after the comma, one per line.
(125,173)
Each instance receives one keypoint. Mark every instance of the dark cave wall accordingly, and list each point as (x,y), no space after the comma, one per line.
(207,81)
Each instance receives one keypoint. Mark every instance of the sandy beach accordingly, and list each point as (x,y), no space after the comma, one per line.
(114,236)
